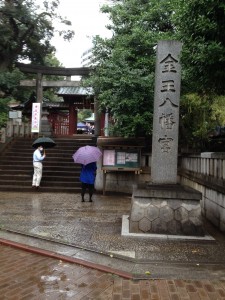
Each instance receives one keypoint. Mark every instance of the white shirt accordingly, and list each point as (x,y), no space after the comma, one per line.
(37,156)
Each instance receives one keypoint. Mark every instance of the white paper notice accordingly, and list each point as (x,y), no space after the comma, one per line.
(132,157)
(121,158)
(109,158)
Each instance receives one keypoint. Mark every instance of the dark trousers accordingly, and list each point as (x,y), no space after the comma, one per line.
(86,186)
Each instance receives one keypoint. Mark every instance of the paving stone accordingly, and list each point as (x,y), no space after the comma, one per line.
(28,275)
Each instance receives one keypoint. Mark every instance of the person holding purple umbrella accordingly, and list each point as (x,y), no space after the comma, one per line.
(87,178)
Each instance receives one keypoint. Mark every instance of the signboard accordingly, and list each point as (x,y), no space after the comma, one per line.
(121,159)
(15,114)
(36,112)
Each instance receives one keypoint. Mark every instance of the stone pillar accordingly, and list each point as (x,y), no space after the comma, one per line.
(166,113)
(22,130)
(106,125)
(46,128)
(39,88)
(9,129)
(165,207)
(3,135)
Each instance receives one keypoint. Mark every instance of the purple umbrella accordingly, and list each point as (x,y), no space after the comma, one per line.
(86,155)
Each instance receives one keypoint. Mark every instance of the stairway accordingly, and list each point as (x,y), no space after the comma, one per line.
(60,173)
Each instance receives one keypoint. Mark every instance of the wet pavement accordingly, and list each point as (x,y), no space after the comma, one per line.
(26,276)
(61,229)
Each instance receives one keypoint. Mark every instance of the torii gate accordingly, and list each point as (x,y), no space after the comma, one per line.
(58,71)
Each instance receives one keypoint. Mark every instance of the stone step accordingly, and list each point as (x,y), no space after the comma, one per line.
(66,162)
(26,151)
(44,183)
(45,177)
(62,152)
(60,173)
(48,159)
(28,144)
(56,168)
(55,189)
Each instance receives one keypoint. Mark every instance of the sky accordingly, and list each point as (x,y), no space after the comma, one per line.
(87,21)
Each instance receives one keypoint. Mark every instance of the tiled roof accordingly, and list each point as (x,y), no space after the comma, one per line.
(75,91)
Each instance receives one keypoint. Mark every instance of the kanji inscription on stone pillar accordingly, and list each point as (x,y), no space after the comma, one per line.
(166,113)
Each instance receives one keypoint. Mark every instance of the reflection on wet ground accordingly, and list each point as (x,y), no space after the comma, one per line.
(97,226)
(25,275)
(187,270)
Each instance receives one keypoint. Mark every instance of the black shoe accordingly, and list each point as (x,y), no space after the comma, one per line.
(90,200)
(82,200)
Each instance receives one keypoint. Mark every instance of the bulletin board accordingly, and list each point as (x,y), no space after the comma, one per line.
(121,159)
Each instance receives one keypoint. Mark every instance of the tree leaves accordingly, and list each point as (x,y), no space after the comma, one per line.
(123,78)
(26,31)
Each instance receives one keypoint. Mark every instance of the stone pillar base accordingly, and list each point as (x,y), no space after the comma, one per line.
(46,129)
(166,209)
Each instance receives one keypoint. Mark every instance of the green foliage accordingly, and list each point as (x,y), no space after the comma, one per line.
(50,93)
(4,112)
(10,85)
(200,114)
(84,114)
(123,79)
(124,65)
(10,91)
(201,27)
(218,110)
(26,30)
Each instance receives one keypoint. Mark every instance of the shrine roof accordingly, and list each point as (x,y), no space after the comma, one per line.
(75,91)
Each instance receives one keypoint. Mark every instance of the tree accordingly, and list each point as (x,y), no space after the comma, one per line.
(26,30)
(4,109)
(195,120)
(50,93)
(84,114)
(123,78)
(11,91)
(201,27)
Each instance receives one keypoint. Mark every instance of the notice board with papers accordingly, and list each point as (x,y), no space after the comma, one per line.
(121,159)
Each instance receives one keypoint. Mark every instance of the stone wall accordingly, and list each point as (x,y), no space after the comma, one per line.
(15,130)
(206,174)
